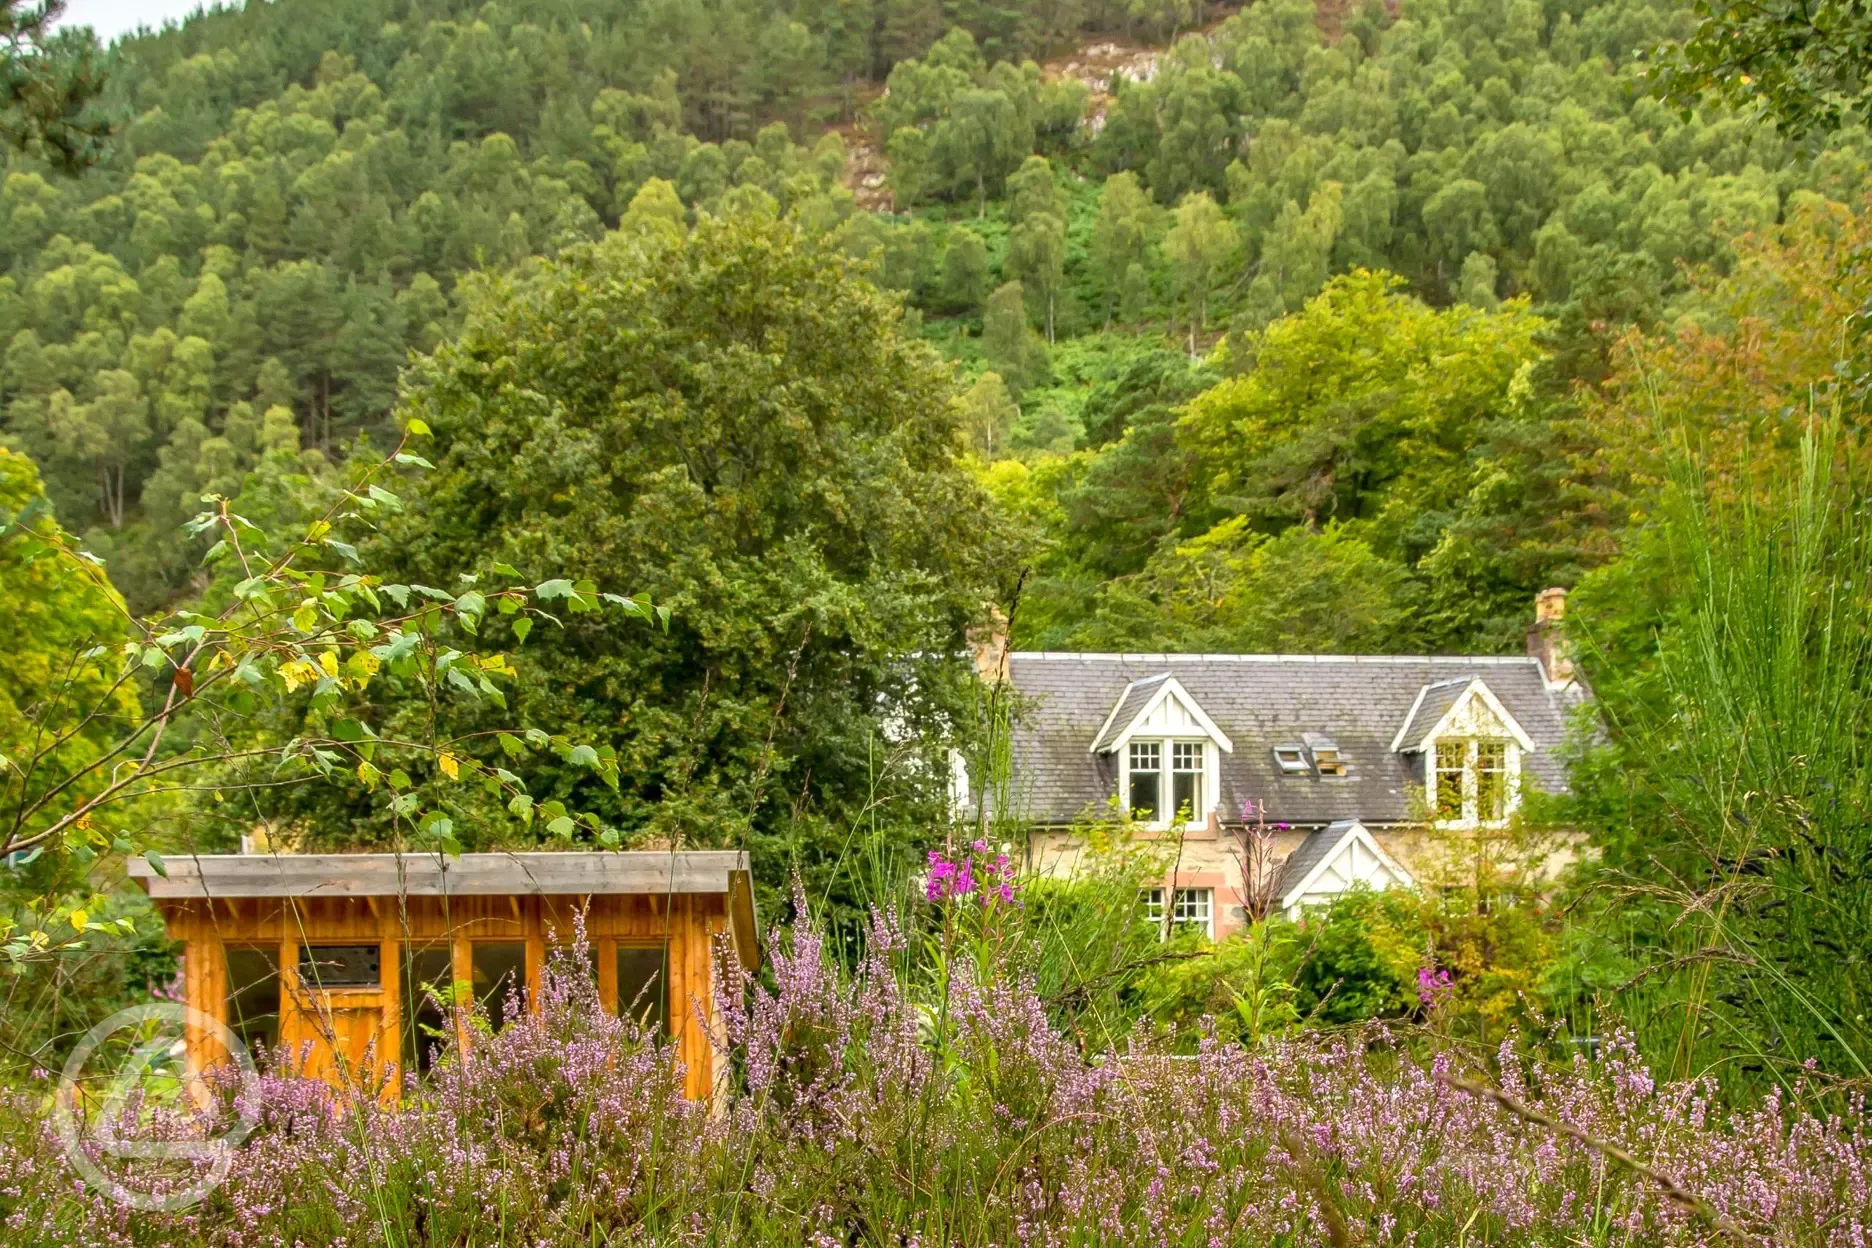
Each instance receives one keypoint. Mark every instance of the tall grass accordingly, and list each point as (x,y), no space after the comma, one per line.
(1747,874)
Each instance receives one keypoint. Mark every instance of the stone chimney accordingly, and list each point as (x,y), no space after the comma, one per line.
(1546,641)
(989,641)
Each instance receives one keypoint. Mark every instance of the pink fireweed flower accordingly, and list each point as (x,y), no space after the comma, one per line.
(1433,986)
(990,880)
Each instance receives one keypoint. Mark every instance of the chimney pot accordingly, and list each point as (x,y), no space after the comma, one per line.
(1544,641)
(990,644)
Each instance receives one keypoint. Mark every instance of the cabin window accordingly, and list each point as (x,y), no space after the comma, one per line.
(1291,759)
(1186,771)
(341,966)
(643,985)
(428,995)
(1146,790)
(253,997)
(499,970)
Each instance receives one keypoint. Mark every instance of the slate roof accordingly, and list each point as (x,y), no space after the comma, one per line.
(1317,847)
(1137,696)
(1261,701)
(1437,699)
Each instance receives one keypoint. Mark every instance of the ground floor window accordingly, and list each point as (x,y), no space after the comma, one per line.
(1191,907)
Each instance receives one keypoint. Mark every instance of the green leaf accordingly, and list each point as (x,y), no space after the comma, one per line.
(549,590)
(506,569)
(305,617)
(510,744)
(562,826)
(582,756)
(418,427)
(156,863)
(522,805)
(521,628)
(408,459)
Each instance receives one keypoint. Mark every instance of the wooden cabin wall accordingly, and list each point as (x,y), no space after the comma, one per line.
(688,922)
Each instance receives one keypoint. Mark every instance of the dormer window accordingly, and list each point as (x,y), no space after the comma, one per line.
(1167,752)
(1491,781)
(1472,750)
(1470,782)
(1146,771)
(1186,774)
(1146,779)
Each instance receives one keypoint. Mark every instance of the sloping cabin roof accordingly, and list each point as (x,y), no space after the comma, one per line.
(1260,701)
(570,873)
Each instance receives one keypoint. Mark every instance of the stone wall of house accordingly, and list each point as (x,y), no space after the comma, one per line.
(1243,878)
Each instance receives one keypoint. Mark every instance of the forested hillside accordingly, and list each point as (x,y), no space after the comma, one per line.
(806,337)
(301,188)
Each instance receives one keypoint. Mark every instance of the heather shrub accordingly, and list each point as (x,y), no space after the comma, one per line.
(868,1106)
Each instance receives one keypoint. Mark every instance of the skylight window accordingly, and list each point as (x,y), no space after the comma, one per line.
(1291,759)
(1326,757)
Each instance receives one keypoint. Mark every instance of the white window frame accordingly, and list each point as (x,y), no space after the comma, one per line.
(1194,907)
(1191,907)
(1207,777)
(1470,816)
(1131,750)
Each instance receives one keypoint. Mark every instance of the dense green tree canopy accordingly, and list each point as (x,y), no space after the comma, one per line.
(725,420)
(56,613)
(1173,345)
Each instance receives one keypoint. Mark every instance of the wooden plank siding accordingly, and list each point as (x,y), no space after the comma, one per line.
(686,922)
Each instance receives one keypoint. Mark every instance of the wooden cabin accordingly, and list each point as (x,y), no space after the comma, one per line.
(340,956)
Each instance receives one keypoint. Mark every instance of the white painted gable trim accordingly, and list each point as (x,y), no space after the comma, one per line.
(1170,689)
(1355,833)
(1476,689)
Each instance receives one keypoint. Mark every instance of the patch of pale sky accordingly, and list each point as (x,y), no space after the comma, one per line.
(112,18)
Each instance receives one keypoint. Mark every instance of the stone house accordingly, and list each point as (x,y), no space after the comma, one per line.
(1277,781)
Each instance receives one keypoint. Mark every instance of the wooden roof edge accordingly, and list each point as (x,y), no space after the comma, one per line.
(540,873)
(742,919)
